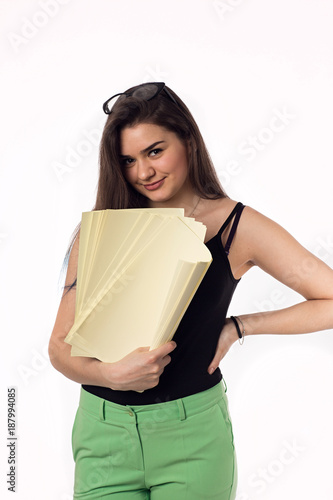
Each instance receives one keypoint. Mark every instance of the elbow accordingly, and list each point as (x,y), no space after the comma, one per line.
(53,352)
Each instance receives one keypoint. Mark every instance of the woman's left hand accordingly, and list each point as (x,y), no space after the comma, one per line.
(227,337)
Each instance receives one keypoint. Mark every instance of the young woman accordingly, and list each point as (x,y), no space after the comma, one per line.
(155,425)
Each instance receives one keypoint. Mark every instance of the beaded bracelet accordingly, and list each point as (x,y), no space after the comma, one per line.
(240,334)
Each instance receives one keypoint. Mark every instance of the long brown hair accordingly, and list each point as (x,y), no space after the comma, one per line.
(113,191)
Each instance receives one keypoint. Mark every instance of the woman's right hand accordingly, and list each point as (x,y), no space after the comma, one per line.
(139,370)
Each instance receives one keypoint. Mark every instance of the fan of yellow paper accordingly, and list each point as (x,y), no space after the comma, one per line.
(138,270)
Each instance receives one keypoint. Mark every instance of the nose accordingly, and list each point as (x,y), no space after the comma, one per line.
(145,170)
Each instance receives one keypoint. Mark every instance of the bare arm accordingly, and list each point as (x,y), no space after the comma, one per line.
(275,251)
(138,371)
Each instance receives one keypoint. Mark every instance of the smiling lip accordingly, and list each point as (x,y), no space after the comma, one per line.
(154,185)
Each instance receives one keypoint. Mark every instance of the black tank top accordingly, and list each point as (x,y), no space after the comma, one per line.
(197,334)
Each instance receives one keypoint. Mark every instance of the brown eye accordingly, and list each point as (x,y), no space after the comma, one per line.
(155,151)
(127,162)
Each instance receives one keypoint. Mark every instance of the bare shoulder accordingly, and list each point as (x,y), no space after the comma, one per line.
(271,247)
(258,235)
(261,235)
(258,240)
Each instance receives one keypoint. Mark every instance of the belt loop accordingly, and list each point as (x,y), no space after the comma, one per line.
(181,408)
(225,385)
(102,409)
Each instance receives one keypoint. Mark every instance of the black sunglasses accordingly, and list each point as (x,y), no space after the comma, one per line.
(146,91)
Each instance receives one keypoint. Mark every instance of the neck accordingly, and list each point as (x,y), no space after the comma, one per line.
(189,203)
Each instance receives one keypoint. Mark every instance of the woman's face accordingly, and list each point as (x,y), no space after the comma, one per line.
(155,163)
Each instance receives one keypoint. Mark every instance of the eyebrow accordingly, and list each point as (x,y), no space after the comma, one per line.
(144,150)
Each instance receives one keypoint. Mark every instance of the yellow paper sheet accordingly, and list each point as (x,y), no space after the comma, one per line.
(138,270)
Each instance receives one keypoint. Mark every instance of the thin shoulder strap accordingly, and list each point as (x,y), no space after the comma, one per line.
(238,208)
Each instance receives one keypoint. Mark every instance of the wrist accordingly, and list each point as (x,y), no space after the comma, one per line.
(108,375)
(231,331)
(239,328)
(249,322)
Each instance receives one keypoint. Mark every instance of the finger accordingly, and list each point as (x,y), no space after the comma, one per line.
(212,367)
(164,349)
(216,361)
(166,360)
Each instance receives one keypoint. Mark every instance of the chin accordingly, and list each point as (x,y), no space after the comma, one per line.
(159,194)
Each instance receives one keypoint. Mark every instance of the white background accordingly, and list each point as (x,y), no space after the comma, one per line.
(235,64)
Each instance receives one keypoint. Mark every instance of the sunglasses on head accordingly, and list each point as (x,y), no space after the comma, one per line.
(146,91)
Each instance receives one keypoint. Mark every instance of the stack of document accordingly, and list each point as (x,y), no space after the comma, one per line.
(138,270)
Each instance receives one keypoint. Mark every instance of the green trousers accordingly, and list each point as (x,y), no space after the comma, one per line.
(176,450)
